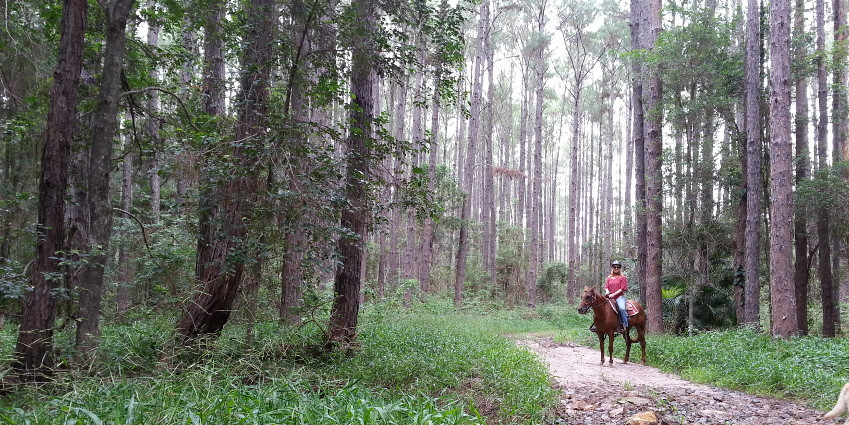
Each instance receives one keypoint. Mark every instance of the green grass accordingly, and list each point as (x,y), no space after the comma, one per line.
(431,364)
(811,370)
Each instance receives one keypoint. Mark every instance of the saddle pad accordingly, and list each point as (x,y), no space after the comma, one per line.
(632,309)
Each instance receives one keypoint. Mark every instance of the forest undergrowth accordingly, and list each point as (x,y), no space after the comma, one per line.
(428,364)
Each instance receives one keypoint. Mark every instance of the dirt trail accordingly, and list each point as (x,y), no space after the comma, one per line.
(592,394)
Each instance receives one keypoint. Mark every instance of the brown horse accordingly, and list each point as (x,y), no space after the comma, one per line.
(606,321)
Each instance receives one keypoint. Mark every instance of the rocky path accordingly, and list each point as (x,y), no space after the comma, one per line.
(592,394)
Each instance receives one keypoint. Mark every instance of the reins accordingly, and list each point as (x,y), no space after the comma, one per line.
(595,298)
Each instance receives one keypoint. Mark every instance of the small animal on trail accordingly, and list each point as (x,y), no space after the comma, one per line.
(606,320)
(842,402)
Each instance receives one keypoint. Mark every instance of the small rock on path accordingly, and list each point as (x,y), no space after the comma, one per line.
(594,394)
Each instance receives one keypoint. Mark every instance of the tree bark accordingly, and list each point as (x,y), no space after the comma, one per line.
(488,217)
(654,182)
(104,128)
(829,304)
(536,181)
(840,132)
(801,275)
(346,289)
(428,229)
(639,150)
(34,347)
(125,259)
(153,123)
(471,156)
(753,164)
(782,292)
(218,279)
(293,220)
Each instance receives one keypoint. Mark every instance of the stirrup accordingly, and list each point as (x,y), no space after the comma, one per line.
(592,327)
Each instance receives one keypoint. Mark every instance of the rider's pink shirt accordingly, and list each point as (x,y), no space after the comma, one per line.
(614,284)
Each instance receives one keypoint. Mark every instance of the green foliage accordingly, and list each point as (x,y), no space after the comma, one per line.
(807,368)
(700,55)
(511,261)
(13,286)
(429,366)
(552,281)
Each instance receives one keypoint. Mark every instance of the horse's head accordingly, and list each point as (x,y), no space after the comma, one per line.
(588,300)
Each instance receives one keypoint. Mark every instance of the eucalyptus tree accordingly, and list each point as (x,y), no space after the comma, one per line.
(34,348)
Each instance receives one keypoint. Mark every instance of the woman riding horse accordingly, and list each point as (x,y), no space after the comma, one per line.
(605,321)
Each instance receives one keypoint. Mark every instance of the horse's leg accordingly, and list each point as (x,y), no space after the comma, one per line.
(601,346)
(610,348)
(627,344)
(641,333)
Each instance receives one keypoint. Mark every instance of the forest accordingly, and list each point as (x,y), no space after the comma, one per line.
(275,177)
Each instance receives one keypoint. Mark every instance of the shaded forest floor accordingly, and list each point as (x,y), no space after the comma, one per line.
(593,394)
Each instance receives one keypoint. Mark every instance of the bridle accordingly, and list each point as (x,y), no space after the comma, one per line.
(596,302)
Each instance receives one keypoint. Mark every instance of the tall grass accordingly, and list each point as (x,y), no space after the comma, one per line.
(428,367)
(430,364)
(811,369)
(808,369)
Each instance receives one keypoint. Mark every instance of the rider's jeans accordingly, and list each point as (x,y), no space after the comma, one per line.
(623,312)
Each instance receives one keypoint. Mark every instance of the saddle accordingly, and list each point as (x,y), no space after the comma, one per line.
(629,306)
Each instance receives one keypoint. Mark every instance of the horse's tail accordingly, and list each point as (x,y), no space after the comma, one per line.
(841,404)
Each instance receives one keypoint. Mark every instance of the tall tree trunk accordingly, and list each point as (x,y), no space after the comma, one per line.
(428,230)
(471,155)
(639,150)
(801,275)
(125,260)
(346,289)
(840,132)
(153,123)
(105,125)
(536,181)
(654,182)
(213,103)
(782,292)
(753,166)
(829,304)
(34,347)
(488,214)
(740,200)
(521,183)
(294,220)
(840,100)
(218,279)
